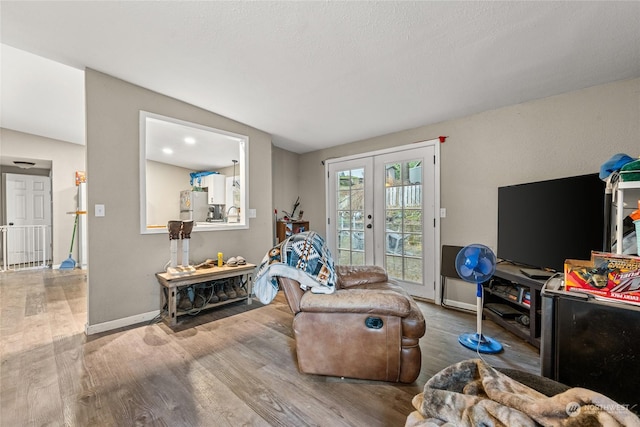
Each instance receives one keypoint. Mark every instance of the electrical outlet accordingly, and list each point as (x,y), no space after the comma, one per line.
(99,210)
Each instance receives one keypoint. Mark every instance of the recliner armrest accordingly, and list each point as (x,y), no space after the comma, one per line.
(292,292)
(355,275)
(380,302)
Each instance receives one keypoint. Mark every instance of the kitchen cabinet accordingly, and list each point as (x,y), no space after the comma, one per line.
(215,184)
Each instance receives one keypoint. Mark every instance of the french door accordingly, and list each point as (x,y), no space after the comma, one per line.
(381,210)
(350,216)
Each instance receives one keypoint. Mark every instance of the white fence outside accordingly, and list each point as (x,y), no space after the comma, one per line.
(411,195)
(24,247)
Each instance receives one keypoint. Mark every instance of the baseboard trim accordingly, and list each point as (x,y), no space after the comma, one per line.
(120,323)
(460,305)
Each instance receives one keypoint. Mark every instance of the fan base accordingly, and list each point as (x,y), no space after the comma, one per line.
(480,343)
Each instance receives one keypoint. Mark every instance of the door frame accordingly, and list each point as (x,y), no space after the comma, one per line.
(436,193)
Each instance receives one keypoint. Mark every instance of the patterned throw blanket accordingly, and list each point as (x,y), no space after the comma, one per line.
(471,393)
(303,257)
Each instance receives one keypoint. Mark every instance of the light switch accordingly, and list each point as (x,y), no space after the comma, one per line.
(252,213)
(99,210)
(443,212)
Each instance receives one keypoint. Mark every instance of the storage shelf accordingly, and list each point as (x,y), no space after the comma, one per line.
(286,229)
(507,297)
(620,188)
(171,285)
(624,185)
(196,310)
(510,275)
(512,326)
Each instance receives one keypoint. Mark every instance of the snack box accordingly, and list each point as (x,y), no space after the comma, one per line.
(607,276)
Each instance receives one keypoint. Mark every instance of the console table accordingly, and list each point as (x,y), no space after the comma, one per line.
(170,286)
(522,294)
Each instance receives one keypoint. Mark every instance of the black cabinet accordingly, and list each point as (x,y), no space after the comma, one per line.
(592,344)
(512,300)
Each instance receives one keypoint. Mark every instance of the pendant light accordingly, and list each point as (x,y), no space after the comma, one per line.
(235,182)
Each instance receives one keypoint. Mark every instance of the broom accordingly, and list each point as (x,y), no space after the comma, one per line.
(70,263)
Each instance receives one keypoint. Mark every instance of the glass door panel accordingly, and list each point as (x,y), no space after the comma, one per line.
(403,221)
(349,183)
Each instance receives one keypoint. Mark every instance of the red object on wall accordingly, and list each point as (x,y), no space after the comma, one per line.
(442,138)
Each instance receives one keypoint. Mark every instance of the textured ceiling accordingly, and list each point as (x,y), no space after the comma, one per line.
(318,74)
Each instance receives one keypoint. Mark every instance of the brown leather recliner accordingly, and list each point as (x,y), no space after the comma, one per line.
(369,328)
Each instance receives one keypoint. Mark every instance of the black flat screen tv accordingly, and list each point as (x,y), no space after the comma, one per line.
(541,224)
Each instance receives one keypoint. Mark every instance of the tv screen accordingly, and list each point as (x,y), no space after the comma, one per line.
(541,224)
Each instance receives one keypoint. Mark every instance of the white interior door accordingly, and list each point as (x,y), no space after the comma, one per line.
(28,202)
(382,209)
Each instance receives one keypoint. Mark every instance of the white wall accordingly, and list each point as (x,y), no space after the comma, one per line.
(66,158)
(122,263)
(559,136)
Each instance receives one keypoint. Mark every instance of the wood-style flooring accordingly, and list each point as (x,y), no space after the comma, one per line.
(234,366)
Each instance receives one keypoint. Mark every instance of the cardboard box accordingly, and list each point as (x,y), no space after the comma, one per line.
(607,276)
(526,298)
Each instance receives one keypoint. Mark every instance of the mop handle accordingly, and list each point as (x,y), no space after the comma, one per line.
(75,224)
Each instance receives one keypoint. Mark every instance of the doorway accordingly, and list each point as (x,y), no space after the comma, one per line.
(28,218)
(383,209)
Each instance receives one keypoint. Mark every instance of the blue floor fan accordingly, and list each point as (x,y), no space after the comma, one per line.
(476,264)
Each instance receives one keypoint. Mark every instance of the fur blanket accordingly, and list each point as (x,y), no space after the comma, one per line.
(303,257)
(471,393)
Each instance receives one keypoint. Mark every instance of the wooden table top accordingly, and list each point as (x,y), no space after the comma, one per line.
(204,273)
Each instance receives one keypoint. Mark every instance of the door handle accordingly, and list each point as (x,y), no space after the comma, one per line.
(369,226)
(10,223)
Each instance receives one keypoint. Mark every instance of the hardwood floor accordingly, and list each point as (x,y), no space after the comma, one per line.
(229,367)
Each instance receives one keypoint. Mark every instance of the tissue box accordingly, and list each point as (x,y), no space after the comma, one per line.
(608,276)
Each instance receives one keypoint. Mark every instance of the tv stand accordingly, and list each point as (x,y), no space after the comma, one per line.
(534,273)
(512,300)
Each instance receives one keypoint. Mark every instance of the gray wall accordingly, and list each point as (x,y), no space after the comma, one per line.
(66,158)
(286,184)
(122,262)
(559,136)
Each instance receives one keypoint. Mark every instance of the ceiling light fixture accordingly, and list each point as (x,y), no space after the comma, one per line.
(167,151)
(23,164)
(190,140)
